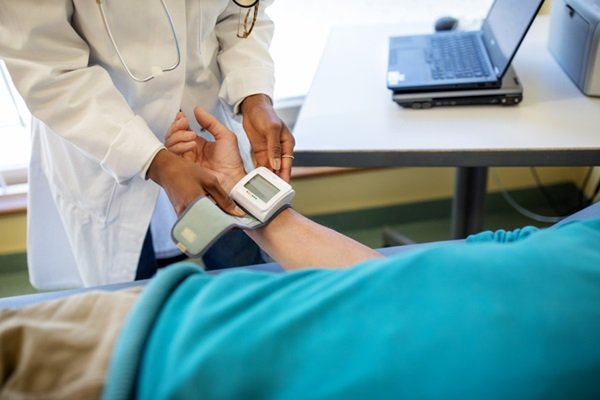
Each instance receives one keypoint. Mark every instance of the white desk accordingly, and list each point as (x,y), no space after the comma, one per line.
(348,119)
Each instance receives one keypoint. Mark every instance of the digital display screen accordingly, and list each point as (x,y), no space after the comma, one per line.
(262,188)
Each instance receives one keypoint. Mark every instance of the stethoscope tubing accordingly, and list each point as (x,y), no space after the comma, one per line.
(246,4)
(120,56)
(240,3)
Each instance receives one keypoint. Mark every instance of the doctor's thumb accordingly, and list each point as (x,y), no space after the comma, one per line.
(223,200)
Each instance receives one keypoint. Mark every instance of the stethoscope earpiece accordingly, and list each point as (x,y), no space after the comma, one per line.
(245,3)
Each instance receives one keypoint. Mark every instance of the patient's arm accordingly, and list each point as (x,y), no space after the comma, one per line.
(295,241)
(291,239)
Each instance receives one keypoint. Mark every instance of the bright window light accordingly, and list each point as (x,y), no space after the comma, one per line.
(14,134)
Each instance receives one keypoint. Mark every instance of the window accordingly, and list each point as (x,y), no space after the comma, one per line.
(14,137)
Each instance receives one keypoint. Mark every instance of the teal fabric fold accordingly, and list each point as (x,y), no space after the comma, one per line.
(505,316)
(129,350)
(502,236)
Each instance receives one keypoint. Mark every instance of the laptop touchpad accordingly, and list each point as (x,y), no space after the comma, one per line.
(408,66)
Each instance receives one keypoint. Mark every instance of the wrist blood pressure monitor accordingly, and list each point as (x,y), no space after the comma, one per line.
(261,193)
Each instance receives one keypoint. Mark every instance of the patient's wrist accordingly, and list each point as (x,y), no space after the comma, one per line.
(281,218)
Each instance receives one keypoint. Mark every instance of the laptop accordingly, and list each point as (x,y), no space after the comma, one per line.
(510,93)
(458,60)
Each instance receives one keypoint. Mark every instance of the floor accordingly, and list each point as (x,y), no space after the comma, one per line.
(422,222)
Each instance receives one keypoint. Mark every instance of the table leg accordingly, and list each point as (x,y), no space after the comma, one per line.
(468,203)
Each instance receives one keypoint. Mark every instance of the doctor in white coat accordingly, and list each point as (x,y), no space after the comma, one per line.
(103,80)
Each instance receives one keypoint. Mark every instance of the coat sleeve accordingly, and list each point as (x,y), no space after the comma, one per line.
(246,64)
(49,64)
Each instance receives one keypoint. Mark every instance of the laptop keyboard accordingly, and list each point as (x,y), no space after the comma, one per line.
(455,56)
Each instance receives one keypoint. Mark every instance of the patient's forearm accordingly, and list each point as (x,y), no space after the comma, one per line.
(295,241)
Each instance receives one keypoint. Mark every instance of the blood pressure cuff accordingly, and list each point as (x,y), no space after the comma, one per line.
(203,222)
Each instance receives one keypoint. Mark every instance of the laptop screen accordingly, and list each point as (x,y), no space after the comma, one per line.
(504,28)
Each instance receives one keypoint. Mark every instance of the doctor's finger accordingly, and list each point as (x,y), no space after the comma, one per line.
(287,154)
(274,149)
(219,195)
(285,172)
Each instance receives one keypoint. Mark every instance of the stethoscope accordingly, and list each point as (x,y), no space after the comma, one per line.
(246,3)
(245,25)
(156,71)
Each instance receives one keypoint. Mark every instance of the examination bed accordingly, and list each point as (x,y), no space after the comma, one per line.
(592,211)
(23,300)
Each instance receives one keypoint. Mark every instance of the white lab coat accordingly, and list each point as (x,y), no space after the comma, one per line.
(95,129)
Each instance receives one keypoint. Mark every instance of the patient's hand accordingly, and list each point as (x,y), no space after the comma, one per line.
(221,155)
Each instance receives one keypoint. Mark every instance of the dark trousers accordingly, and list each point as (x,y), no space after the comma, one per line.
(233,249)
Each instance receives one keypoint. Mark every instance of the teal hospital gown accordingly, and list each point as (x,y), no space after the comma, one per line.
(505,315)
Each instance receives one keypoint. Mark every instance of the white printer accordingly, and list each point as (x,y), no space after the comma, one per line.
(575,41)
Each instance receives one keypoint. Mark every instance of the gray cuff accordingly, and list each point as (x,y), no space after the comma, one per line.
(202,223)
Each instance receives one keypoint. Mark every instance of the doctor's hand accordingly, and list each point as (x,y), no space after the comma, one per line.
(184,181)
(271,140)
(220,156)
